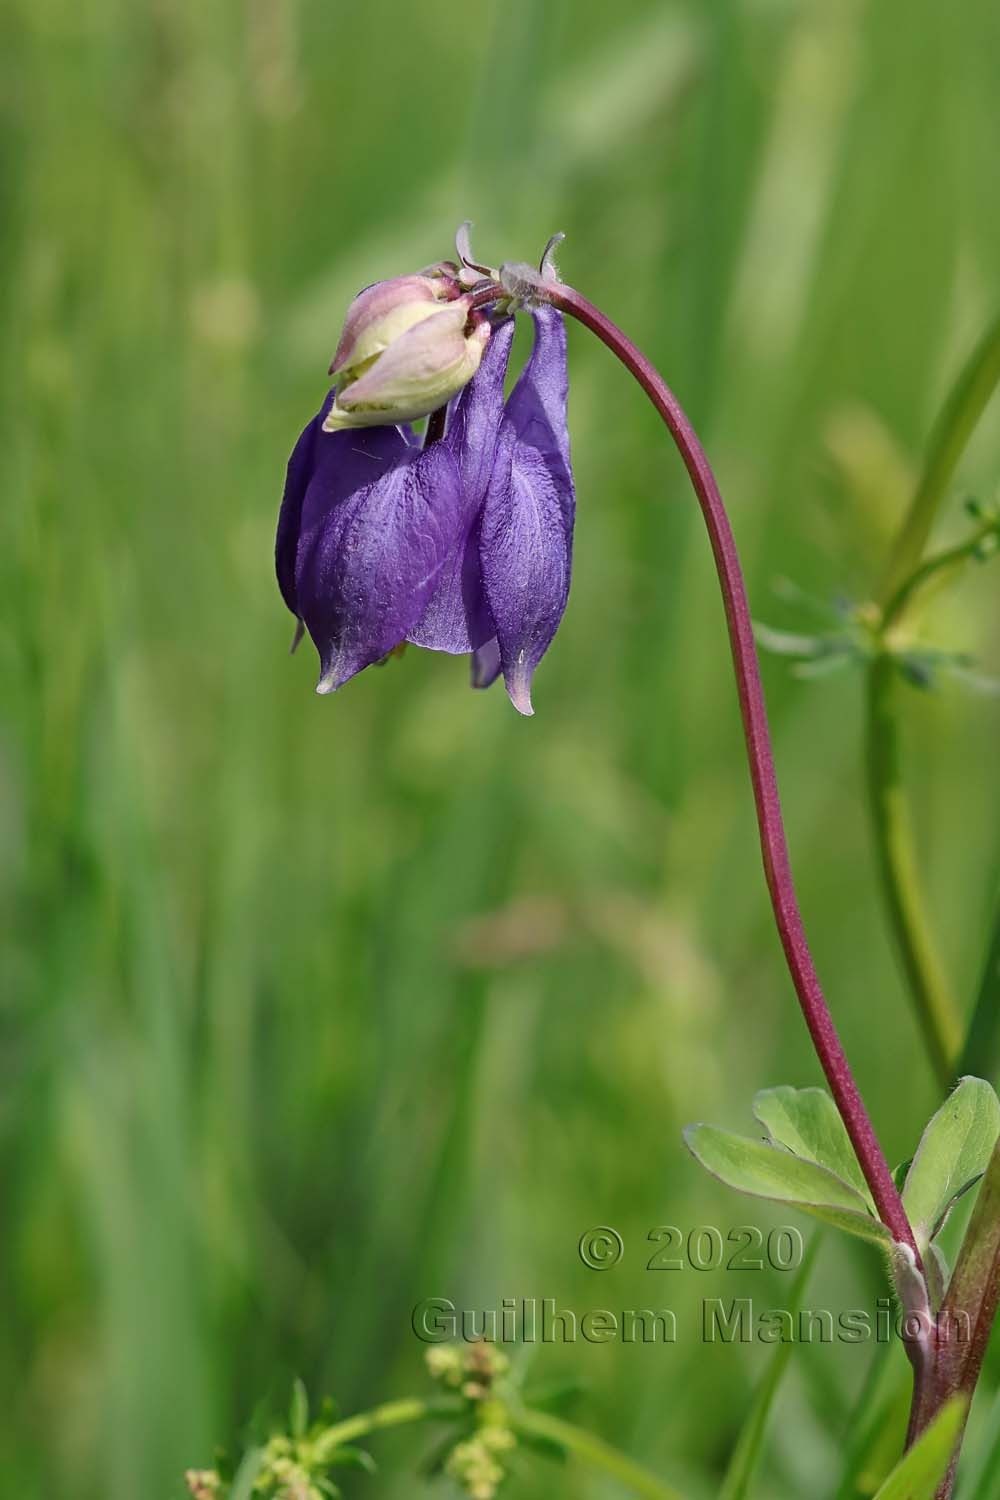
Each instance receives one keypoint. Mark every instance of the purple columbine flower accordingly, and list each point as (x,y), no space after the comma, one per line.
(463,544)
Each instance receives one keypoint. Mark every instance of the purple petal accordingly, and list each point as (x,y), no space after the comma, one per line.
(527,525)
(369,561)
(458,618)
(537,405)
(290,516)
(330,467)
(474,423)
(345,462)
(486,664)
(526,558)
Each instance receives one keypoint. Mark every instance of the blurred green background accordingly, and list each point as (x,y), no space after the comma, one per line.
(315,1007)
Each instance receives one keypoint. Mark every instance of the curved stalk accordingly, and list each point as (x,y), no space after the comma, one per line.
(932,569)
(980,1053)
(774,847)
(936,1008)
(584,1445)
(954,427)
(895,845)
(595,1452)
(389,1414)
(895,848)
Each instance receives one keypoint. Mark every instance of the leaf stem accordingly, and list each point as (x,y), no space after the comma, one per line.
(774,848)
(935,1006)
(389,1414)
(980,1053)
(954,427)
(584,1445)
(743,1462)
(595,1452)
(941,562)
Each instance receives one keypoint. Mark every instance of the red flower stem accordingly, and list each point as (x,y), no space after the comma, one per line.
(774,847)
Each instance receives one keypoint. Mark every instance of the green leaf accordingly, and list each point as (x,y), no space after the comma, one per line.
(953,1153)
(298,1411)
(348,1457)
(786,643)
(921,1470)
(545,1447)
(433,1462)
(550,1395)
(749,1446)
(767,1171)
(825,666)
(247,1472)
(808,1123)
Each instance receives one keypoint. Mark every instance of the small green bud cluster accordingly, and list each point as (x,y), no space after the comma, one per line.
(469,1368)
(286,1473)
(473,1370)
(289,1470)
(987,517)
(475,1464)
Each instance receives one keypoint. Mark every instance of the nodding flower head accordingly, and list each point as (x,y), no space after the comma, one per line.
(408,346)
(461,542)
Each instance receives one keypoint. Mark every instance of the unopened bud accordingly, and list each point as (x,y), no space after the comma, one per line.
(408,346)
(383,313)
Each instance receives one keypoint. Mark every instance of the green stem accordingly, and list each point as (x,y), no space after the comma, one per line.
(932,568)
(934,1003)
(736,1483)
(981,1053)
(937,1012)
(389,1414)
(955,425)
(595,1452)
(584,1445)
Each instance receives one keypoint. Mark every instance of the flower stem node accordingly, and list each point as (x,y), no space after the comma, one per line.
(408,346)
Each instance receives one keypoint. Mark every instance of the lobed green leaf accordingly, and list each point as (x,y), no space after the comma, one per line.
(767,1171)
(953,1152)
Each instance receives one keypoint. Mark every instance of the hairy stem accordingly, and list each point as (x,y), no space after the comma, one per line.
(595,1452)
(774,848)
(974,1289)
(961,1331)
(895,847)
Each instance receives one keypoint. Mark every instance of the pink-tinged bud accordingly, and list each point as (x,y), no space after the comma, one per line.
(417,371)
(383,313)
